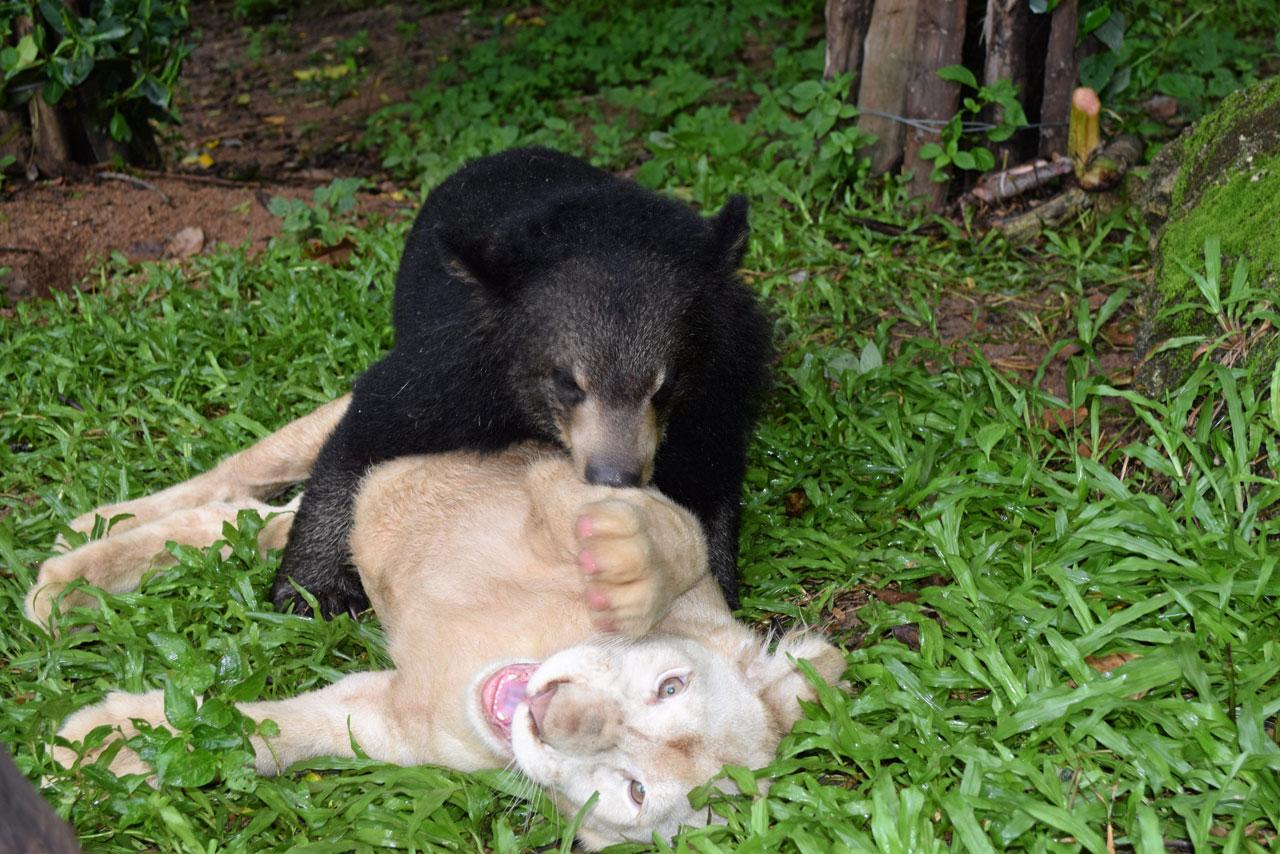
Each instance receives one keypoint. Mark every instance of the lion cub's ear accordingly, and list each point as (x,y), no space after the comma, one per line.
(774,676)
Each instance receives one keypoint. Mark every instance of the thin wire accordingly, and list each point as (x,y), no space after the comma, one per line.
(936,125)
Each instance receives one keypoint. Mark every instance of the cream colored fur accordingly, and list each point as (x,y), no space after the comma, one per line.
(472,563)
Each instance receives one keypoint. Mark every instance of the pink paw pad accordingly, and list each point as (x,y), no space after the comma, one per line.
(597,600)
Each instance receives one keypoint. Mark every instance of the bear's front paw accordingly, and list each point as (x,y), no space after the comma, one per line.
(342,595)
(615,554)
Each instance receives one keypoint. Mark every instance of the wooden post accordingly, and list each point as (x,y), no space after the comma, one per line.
(50,138)
(938,42)
(1005,33)
(847,22)
(886,67)
(1060,65)
(1085,132)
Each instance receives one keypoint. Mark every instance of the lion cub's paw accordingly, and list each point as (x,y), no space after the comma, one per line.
(616,555)
(117,709)
(54,576)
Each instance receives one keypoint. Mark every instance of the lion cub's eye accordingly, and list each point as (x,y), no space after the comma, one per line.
(636,791)
(670,686)
(566,387)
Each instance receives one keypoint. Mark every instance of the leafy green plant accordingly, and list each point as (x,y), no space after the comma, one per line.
(1239,318)
(950,149)
(1196,54)
(325,218)
(116,68)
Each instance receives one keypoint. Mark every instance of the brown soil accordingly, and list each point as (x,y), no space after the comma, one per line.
(251,130)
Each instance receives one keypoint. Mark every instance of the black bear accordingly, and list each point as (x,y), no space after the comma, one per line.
(542,298)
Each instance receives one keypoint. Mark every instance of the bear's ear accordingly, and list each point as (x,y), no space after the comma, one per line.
(729,231)
(780,684)
(467,256)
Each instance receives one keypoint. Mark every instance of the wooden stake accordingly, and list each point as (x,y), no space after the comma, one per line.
(1085,133)
(1005,32)
(939,42)
(49,134)
(1060,64)
(847,22)
(886,67)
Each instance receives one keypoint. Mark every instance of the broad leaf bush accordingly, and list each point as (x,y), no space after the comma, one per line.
(116,68)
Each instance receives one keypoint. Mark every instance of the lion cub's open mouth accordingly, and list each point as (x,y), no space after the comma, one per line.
(502,692)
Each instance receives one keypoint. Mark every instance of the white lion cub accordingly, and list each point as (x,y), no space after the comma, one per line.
(573,628)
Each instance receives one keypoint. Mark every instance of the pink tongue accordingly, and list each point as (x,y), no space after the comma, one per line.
(510,694)
(503,692)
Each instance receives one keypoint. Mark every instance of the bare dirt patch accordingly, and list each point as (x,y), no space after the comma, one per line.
(265,113)
(53,232)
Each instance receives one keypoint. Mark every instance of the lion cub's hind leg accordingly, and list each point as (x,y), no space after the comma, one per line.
(117,563)
(192,512)
(258,472)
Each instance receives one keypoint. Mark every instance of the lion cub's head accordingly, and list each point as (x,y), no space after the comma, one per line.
(644,722)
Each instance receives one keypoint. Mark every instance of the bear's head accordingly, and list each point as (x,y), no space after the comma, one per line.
(620,306)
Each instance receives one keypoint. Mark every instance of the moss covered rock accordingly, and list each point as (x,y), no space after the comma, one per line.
(1220,178)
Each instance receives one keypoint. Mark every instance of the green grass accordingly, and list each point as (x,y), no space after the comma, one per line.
(978,567)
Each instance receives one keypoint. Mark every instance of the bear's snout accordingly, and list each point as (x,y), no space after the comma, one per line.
(605,474)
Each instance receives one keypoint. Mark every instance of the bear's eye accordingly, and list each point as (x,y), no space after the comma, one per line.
(636,791)
(670,686)
(663,395)
(568,392)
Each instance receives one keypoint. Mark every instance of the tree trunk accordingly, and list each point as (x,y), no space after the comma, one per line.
(50,136)
(1005,32)
(937,43)
(886,68)
(1060,65)
(847,22)
(14,141)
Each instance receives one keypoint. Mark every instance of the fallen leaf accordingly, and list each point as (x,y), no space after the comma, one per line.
(1104,664)
(326,72)
(908,635)
(1060,420)
(335,255)
(273,120)
(1107,663)
(796,502)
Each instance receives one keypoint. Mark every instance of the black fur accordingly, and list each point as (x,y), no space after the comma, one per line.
(521,269)
(28,825)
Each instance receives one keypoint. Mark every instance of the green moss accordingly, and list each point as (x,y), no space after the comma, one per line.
(1246,124)
(1244,212)
(1220,178)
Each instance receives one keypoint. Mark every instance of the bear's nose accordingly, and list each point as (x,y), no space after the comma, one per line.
(608,475)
